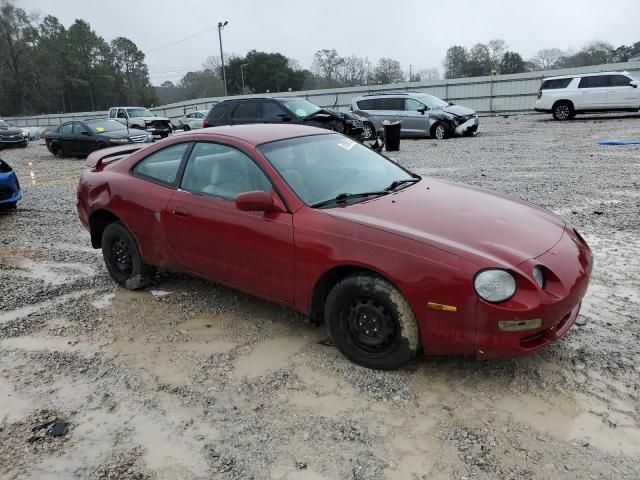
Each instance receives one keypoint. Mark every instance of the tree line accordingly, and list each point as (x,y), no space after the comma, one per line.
(46,67)
(494,57)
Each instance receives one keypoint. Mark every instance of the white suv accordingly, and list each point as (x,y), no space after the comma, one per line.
(592,92)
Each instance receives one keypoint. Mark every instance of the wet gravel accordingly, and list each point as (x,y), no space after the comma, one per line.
(206,382)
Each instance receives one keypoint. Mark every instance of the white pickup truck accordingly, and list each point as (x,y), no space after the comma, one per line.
(139,117)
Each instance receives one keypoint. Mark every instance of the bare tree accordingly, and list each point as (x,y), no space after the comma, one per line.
(430,74)
(497,48)
(352,71)
(547,58)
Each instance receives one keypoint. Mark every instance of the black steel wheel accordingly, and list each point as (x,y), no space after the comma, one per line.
(186,127)
(122,258)
(563,111)
(371,323)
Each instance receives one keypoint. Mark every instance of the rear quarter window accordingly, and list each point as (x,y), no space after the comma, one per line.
(218,111)
(555,84)
(368,104)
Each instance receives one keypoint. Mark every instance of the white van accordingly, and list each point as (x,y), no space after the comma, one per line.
(568,95)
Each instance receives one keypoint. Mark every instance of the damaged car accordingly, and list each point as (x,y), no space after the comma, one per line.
(420,114)
(142,119)
(10,193)
(392,262)
(292,110)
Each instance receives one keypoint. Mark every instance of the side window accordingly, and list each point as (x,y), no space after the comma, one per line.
(198,115)
(248,110)
(412,105)
(112,113)
(272,110)
(162,166)
(67,128)
(619,81)
(222,171)
(189,115)
(555,84)
(368,104)
(79,128)
(122,113)
(596,81)
(390,104)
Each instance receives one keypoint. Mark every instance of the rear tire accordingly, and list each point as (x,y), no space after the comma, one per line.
(371,323)
(122,258)
(56,150)
(563,111)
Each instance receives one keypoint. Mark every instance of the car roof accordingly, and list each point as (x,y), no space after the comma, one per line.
(580,75)
(259,133)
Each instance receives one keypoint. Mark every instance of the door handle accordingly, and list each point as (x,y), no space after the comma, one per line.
(180,212)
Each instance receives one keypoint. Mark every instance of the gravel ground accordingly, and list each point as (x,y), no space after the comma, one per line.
(192,380)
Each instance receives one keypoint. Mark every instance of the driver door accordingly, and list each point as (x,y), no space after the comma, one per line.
(210,236)
(414,123)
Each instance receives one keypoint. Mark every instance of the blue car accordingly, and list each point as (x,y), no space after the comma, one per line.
(10,193)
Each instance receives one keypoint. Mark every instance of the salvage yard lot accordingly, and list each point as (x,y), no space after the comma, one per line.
(192,380)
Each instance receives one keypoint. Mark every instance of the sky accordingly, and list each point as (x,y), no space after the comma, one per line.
(417,33)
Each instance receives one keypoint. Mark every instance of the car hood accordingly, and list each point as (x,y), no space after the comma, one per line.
(458,110)
(488,229)
(10,131)
(123,133)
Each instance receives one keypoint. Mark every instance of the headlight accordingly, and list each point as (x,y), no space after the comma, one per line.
(119,141)
(495,285)
(538,274)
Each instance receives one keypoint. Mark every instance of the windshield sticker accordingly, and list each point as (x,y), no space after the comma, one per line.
(99,129)
(346,143)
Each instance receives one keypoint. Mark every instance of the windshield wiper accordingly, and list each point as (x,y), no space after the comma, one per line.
(343,197)
(397,183)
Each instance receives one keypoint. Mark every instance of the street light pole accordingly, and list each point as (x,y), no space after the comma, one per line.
(224,75)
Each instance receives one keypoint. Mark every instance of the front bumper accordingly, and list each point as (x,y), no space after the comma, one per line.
(568,267)
(13,141)
(470,127)
(10,192)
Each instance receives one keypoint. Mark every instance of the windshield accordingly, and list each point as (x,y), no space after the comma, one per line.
(4,124)
(104,125)
(318,168)
(433,102)
(139,112)
(301,107)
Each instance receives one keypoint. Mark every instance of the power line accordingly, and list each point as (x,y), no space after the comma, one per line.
(180,41)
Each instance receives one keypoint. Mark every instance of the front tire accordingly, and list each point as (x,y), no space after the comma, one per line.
(186,128)
(56,150)
(371,323)
(438,131)
(563,111)
(122,258)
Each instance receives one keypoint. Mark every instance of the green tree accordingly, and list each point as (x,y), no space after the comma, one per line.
(512,62)
(455,62)
(270,71)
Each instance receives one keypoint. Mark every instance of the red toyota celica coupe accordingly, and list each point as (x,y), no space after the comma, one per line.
(392,262)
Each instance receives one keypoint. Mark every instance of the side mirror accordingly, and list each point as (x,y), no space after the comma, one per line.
(422,109)
(634,83)
(284,117)
(256,201)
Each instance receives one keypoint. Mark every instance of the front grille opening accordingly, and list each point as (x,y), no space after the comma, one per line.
(533,341)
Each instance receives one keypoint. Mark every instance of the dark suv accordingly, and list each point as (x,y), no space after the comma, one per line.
(285,109)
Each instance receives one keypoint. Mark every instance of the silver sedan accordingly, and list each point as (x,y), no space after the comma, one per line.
(193,120)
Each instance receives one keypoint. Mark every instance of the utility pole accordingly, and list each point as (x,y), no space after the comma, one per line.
(410,75)
(242,75)
(224,75)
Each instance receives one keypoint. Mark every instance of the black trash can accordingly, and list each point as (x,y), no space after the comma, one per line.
(391,135)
